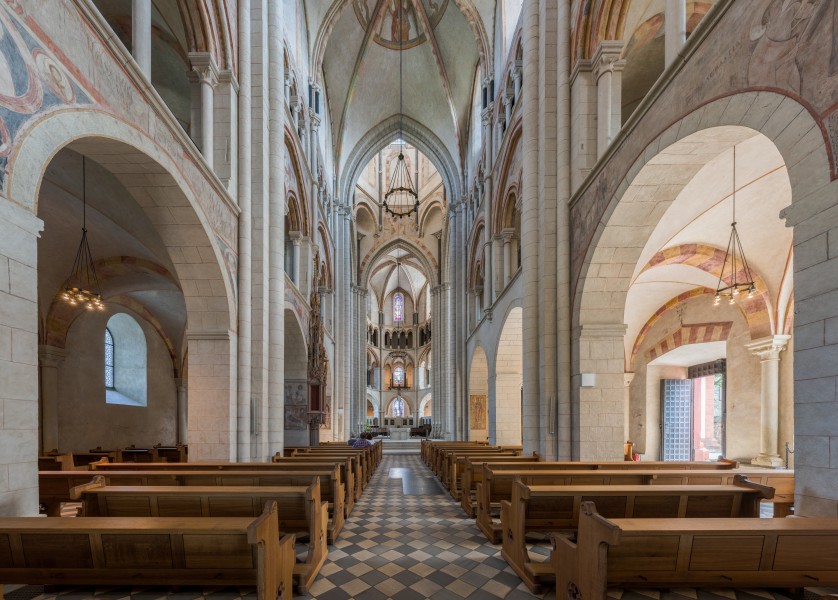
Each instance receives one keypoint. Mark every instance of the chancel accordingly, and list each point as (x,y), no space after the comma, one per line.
(419,299)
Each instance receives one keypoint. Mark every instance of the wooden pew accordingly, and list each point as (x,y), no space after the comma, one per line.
(556,508)
(428,448)
(438,453)
(355,470)
(444,468)
(455,462)
(155,551)
(347,478)
(300,510)
(56,462)
(498,479)
(710,553)
(369,455)
(178,453)
(472,474)
(56,486)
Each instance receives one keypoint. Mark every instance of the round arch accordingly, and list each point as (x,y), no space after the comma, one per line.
(627,222)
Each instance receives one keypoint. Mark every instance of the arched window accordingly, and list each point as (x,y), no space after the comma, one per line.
(398,376)
(398,307)
(398,407)
(109,383)
(126,362)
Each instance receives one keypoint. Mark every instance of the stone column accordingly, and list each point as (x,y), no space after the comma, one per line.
(768,350)
(49,360)
(517,75)
(296,240)
(608,72)
(244,182)
(182,411)
(19,230)
(211,420)
(675,29)
(487,275)
(315,128)
(276,232)
(530,226)
(628,377)
(508,267)
(508,99)
(207,72)
(141,35)
(583,131)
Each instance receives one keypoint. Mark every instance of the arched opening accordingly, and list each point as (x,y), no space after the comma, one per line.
(296,382)
(661,311)
(478,394)
(509,377)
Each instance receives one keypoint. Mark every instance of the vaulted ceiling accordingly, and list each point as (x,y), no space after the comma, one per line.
(442,42)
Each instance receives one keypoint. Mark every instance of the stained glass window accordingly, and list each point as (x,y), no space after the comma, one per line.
(398,376)
(398,308)
(109,383)
(398,407)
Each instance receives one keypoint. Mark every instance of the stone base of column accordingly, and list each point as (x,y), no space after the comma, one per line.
(768,460)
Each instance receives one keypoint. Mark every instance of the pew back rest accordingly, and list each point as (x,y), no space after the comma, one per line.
(728,553)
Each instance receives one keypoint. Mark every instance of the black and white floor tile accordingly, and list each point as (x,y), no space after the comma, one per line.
(406,539)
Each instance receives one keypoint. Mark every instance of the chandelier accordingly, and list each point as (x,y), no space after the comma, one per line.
(81,288)
(401,199)
(740,282)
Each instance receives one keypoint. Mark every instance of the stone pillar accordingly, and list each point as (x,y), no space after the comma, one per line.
(487,275)
(628,377)
(141,35)
(182,411)
(226,130)
(276,199)
(313,161)
(675,29)
(49,360)
(212,379)
(19,231)
(207,72)
(244,183)
(583,130)
(600,408)
(608,72)
(508,99)
(517,75)
(508,267)
(768,350)
(530,226)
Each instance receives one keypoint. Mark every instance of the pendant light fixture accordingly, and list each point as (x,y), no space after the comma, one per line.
(81,288)
(401,199)
(741,279)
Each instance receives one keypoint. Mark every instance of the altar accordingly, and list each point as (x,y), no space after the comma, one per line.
(400,433)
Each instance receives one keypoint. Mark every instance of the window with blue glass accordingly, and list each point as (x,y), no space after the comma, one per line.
(398,376)
(109,355)
(398,407)
(398,308)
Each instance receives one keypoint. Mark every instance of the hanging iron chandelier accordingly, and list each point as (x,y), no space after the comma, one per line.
(741,279)
(401,199)
(81,288)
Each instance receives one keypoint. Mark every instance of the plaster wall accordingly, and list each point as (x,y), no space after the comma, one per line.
(85,420)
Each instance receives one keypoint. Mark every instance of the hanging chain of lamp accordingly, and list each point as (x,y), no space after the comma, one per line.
(401,199)
(741,279)
(81,288)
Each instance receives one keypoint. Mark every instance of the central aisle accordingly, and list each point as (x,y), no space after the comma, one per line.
(407,539)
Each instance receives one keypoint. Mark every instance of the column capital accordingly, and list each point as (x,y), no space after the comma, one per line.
(508,97)
(508,234)
(607,57)
(227,77)
(486,117)
(769,348)
(296,237)
(204,67)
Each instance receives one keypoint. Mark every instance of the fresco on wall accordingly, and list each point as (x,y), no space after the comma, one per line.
(32,80)
(477,412)
(399,24)
(296,405)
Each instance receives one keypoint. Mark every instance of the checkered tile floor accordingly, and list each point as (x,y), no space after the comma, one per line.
(406,539)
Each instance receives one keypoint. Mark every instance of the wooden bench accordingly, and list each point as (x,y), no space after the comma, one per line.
(56,462)
(455,463)
(710,553)
(56,486)
(360,461)
(299,510)
(300,464)
(446,460)
(472,474)
(155,551)
(547,509)
(352,462)
(498,480)
(429,448)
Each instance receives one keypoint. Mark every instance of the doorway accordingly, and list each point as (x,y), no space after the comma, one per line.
(693,414)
